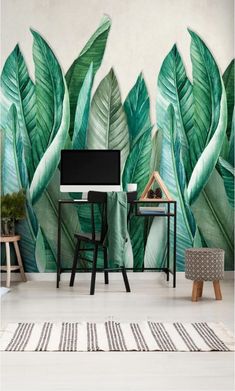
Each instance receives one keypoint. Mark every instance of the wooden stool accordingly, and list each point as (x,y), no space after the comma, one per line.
(8,268)
(204,264)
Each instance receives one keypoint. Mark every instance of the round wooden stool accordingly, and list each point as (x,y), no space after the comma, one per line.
(8,268)
(204,264)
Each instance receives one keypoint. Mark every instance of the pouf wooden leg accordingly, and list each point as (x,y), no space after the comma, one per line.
(195,290)
(217,290)
(200,288)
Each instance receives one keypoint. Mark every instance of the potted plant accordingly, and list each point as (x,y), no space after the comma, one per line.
(12,210)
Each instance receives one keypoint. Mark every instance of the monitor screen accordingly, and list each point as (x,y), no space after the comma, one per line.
(90,167)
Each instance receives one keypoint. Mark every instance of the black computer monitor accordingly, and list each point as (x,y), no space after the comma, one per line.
(84,170)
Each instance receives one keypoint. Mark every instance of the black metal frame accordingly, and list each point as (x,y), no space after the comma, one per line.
(170,214)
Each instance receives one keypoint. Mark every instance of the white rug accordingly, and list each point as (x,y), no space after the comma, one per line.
(3,291)
(113,336)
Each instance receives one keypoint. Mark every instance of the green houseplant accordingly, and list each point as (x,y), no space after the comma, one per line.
(12,210)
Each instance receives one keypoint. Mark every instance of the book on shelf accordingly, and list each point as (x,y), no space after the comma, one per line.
(152,210)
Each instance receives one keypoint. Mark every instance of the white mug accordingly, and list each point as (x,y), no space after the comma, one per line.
(131,187)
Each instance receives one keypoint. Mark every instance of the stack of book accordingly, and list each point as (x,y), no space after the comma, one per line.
(152,210)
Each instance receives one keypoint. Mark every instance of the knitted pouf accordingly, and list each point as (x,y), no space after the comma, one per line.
(204,264)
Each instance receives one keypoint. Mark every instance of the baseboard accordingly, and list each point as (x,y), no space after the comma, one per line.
(228,275)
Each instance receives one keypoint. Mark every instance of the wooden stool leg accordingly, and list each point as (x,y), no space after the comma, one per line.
(8,264)
(17,250)
(200,288)
(195,290)
(217,290)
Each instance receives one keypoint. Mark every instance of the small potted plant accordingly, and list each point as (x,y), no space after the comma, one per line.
(12,210)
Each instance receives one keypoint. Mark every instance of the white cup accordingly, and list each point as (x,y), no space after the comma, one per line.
(131,187)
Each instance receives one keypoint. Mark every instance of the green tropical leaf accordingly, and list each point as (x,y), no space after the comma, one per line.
(50,91)
(69,222)
(207,91)
(207,161)
(14,178)
(82,112)
(137,171)
(228,173)
(231,155)
(173,175)
(155,251)
(92,53)
(107,127)
(18,88)
(228,78)
(215,218)
(137,108)
(51,157)
(176,89)
(156,151)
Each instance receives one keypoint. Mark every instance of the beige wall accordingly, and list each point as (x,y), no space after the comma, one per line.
(143,32)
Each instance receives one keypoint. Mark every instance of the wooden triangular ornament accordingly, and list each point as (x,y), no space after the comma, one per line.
(155,177)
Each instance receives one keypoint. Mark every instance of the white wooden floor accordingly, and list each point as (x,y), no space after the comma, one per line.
(151,298)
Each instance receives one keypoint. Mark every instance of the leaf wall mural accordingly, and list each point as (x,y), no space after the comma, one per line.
(193,147)
(137,108)
(92,53)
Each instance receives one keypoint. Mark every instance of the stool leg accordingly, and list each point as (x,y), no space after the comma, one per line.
(195,290)
(217,290)
(200,288)
(8,262)
(19,259)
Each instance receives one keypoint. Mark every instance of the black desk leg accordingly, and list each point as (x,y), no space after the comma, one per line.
(174,256)
(168,241)
(59,246)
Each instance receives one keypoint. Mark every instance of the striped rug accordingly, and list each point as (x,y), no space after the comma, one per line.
(114,336)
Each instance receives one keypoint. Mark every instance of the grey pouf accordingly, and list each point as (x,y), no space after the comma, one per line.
(204,264)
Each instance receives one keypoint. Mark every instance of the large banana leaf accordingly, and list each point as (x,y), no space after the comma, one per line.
(228,173)
(215,218)
(137,171)
(107,127)
(92,53)
(18,88)
(228,78)
(51,157)
(14,177)
(156,151)
(82,112)
(69,222)
(176,89)
(50,92)
(137,108)
(207,161)
(172,172)
(207,91)
(231,155)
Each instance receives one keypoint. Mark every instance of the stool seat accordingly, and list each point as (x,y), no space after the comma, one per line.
(204,264)
(8,268)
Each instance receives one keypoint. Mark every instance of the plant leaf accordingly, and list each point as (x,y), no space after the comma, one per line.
(173,176)
(176,89)
(18,88)
(92,53)
(51,157)
(137,171)
(228,78)
(50,92)
(69,222)
(207,91)
(137,108)
(207,161)
(107,127)
(228,173)
(231,155)
(82,112)
(13,179)
(215,218)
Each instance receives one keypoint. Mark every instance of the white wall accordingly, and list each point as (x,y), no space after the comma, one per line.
(142,33)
